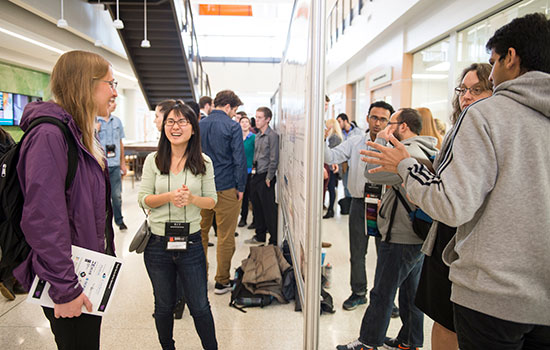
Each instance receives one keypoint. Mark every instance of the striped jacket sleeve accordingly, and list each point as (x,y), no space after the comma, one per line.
(466,173)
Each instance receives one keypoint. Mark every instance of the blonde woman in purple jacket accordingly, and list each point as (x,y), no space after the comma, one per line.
(53,219)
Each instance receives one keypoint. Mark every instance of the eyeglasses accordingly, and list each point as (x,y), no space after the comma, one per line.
(113,83)
(181,122)
(476,91)
(381,120)
(395,123)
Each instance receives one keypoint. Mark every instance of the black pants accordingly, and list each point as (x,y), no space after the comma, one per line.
(80,333)
(265,208)
(247,196)
(476,330)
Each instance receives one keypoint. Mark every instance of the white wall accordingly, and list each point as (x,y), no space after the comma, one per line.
(24,18)
(254,83)
(396,27)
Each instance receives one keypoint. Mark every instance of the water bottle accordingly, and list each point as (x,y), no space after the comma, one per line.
(328,275)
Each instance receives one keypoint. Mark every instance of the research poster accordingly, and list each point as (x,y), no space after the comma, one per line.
(293,167)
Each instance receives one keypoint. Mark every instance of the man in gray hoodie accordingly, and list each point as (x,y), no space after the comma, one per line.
(492,182)
(400,258)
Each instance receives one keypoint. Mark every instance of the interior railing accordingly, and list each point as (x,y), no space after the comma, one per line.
(201,82)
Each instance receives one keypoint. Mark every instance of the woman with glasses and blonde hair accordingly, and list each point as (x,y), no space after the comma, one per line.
(177,182)
(54,218)
(428,125)
(333,135)
(433,296)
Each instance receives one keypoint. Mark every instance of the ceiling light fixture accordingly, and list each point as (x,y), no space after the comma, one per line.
(117,23)
(98,41)
(62,23)
(145,43)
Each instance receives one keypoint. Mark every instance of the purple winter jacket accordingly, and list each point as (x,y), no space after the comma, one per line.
(53,220)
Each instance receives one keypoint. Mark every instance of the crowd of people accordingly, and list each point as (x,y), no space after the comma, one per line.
(481,273)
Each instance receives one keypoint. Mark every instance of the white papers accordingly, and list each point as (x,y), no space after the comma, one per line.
(97,274)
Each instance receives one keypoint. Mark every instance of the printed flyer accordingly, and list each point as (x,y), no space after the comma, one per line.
(97,273)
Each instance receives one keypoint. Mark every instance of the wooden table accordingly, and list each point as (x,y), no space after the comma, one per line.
(140,150)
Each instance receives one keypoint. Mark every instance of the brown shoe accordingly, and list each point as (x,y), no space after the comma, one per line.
(326,244)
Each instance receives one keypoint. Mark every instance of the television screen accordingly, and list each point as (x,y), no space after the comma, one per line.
(19,103)
(12,106)
(6,108)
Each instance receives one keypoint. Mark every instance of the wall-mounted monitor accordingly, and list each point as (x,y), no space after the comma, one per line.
(12,106)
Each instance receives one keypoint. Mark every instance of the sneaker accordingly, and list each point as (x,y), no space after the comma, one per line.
(123,227)
(242,223)
(354,301)
(253,240)
(396,344)
(252,226)
(223,288)
(356,345)
(395,312)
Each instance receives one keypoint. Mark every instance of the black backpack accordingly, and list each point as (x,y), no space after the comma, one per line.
(14,247)
(242,297)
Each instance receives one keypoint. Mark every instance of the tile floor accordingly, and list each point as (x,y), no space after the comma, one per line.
(129,324)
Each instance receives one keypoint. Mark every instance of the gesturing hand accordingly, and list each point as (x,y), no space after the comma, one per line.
(388,158)
(73,308)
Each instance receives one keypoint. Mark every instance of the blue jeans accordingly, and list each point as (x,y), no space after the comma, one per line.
(162,267)
(116,190)
(398,266)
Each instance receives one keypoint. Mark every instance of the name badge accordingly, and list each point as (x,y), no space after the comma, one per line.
(178,235)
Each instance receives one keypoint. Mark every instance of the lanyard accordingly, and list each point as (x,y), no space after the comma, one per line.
(169,189)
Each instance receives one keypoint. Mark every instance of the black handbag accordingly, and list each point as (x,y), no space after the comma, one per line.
(141,238)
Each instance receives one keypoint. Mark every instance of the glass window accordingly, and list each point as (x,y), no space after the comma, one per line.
(430,79)
(361,106)
(471,41)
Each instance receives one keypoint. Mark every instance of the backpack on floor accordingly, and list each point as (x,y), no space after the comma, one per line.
(242,297)
(14,249)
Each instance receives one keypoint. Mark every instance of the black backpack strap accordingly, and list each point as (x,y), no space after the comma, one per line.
(72,152)
(405,204)
(392,216)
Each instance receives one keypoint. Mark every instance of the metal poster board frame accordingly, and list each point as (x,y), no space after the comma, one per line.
(300,123)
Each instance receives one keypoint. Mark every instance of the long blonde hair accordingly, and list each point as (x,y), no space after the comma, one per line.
(334,128)
(72,84)
(428,125)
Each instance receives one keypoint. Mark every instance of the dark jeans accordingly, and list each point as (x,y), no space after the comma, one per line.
(332,181)
(265,208)
(358,245)
(162,267)
(75,333)
(476,330)
(247,196)
(397,266)
(116,193)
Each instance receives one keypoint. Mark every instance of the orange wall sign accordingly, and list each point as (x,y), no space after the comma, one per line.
(225,10)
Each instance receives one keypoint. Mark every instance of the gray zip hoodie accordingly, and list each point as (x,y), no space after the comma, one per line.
(493,183)
(419,147)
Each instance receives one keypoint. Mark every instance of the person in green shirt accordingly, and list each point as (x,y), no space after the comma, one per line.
(177,182)
(248,139)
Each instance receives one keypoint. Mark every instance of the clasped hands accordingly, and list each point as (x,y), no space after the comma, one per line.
(181,197)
